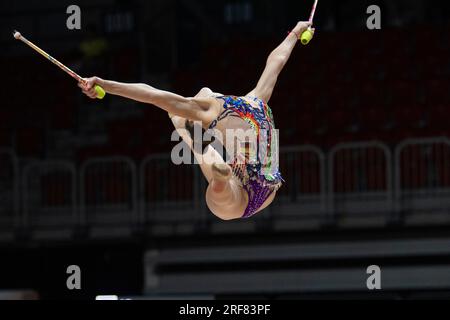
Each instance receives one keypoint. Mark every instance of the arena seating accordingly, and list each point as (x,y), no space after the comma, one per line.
(378,88)
(381,86)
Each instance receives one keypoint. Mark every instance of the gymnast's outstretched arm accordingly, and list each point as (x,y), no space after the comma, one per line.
(276,62)
(195,109)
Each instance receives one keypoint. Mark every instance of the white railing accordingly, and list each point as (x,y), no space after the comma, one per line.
(304,190)
(108,192)
(352,181)
(422,168)
(49,194)
(170,193)
(360,180)
(9,188)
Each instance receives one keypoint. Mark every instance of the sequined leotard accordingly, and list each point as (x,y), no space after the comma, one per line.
(260,175)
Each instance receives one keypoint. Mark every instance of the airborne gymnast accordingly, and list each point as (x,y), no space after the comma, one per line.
(247,183)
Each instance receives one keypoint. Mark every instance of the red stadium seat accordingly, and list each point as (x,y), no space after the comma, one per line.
(372,93)
(409,116)
(403,92)
(30,142)
(371,119)
(5,137)
(437,91)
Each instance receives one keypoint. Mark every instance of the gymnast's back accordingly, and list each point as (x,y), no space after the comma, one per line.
(254,149)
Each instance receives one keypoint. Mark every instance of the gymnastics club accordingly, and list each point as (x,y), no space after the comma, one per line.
(309,33)
(100,91)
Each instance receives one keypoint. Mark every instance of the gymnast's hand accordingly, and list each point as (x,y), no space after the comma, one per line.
(88,86)
(302,26)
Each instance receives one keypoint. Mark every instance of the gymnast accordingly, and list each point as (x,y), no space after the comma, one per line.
(247,183)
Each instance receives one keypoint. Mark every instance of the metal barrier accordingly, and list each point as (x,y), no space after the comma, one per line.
(49,194)
(108,192)
(304,192)
(355,183)
(423,175)
(171,193)
(360,181)
(9,190)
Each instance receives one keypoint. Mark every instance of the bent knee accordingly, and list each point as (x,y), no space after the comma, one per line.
(205,110)
(204,93)
(231,207)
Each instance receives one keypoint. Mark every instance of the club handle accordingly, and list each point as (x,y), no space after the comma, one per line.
(307,36)
(100,92)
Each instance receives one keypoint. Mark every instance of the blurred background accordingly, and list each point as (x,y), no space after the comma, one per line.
(363,119)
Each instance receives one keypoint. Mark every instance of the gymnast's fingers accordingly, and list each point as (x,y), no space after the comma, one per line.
(92,91)
(88,91)
(302,26)
(91,82)
(81,86)
(90,94)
